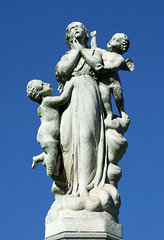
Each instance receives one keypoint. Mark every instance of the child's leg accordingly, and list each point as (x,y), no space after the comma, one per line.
(118,96)
(51,150)
(38,158)
(106,99)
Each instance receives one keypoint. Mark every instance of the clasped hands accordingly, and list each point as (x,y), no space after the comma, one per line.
(77,45)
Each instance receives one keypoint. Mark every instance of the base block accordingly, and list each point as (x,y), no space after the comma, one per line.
(82,225)
(83,236)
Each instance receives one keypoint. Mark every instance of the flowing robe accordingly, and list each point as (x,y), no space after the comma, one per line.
(82,133)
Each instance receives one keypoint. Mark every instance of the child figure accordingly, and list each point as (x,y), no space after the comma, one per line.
(109,78)
(48,112)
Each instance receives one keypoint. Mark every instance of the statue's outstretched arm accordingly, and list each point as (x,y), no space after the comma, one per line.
(59,100)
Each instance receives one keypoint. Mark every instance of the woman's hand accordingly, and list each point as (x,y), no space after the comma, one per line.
(77,45)
(93,60)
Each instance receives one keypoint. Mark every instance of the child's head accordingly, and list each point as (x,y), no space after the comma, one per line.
(36,90)
(119,43)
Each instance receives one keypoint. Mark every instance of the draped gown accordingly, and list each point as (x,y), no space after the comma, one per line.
(82,133)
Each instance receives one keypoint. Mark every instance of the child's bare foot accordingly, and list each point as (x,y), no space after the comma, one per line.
(35,162)
(109,116)
(124,115)
(38,158)
(49,171)
(84,192)
(108,119)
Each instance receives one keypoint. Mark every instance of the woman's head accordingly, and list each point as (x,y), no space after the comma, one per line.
(76,30)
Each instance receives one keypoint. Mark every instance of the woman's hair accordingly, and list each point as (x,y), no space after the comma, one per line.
(32,91)
(67,35)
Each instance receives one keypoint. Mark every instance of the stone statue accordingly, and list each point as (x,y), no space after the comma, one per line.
(112,63)
(48,112)
(83,140)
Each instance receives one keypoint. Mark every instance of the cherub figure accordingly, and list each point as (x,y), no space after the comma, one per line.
(109,79)
(116,145)
(48,112)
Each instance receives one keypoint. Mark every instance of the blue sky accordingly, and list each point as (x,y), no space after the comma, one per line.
(32,42)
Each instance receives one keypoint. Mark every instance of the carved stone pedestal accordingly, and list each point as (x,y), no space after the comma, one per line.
(83,236)
(81,225)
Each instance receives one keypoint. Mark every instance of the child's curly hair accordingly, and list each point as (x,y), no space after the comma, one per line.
(32,92)
(125,43)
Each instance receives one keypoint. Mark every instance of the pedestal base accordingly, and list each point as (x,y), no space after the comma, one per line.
(83,236)
(63,224)
(82,225)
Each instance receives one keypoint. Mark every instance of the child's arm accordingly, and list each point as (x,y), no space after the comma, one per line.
(59,100)
(111,63)
(93,40)
(114,64)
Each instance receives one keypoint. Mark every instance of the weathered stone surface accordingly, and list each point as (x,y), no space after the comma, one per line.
(84,222)
(83,236)
(83,140)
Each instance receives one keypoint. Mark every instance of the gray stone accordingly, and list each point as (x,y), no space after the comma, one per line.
(83,221)
(81,137)
(113,61)
(83,140)
(88,224)
(83,236)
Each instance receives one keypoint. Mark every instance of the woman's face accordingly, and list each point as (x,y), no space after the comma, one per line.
(76,31)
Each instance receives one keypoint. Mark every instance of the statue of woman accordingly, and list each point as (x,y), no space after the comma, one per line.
(82,131)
